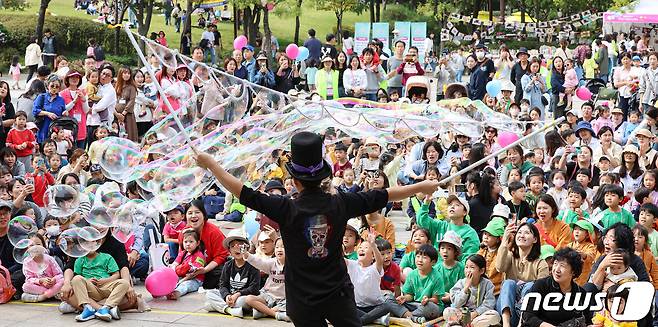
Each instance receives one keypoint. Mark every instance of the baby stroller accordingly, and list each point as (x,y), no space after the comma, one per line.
(418,89)
(599,90)
(64,122)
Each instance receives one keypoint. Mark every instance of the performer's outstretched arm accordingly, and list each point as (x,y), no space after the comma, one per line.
(231,183)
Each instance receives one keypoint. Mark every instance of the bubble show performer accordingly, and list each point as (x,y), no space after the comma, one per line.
(312,226)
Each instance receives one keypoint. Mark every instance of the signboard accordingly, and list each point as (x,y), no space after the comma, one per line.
(418,36)
(380,32)
(361,36)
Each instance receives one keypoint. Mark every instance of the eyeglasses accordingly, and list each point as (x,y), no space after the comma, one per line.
(491,131)
(53,86)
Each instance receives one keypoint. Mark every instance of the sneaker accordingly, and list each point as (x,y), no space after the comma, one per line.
(104,314)
(418,320)
(30,298)
(65,308)
(383,320)
(87,314)
(282,316)
(257,314)
(235,312)
(115,313)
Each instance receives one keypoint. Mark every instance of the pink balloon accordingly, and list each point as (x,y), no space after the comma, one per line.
(507,138)
(240,42)
(270,6)
(161,281)
(292,50)
(584,94)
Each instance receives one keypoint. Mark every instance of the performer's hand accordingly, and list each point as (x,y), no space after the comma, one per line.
(428,187)
(205,160)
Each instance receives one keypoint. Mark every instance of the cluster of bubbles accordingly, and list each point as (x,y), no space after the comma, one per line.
(111,212)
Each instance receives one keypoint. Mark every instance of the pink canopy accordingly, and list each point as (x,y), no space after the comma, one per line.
(642,12)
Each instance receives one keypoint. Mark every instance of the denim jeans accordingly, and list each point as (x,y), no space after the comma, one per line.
(510,295)
(372,313)
(458,75)
(141,267)
(209,52)
(173,250)
(188,286)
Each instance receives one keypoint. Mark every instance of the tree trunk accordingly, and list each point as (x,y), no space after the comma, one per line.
(476,9)
(187,24)
(339,24)
(297,22)
(144,19)
(372,11)
(378,6)
(502,10)
(236,20)
(246,17)
(41,20)
(491,10)
(118,19)
(267,36)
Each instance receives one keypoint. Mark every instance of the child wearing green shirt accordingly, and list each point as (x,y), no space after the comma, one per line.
(351,239)
(457,211)
(419,237)
(615,213)
(575,198)
(97,278)
(450,269)
(422,289)
(647,218)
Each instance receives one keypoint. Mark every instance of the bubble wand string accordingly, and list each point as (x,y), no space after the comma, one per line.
(126,27)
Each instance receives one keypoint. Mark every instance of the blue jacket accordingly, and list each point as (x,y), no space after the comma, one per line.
(55,105)
(477,86)
(557,82)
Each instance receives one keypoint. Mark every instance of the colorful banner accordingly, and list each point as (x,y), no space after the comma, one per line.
(361,36)
(418,36)
(380,32)
(405,33)
(612,17)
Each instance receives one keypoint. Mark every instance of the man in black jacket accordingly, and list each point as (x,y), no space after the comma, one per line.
(520,68)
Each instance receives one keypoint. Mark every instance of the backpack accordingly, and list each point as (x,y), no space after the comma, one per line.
(99,53)
(7,290)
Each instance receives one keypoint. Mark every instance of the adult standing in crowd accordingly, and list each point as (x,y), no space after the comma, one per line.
(557,87)
(126,92)
(48,107)
(77,106)
(313,45)
(395,80)
(7,112)
(49,48)
(534,86)
(481,74)
(106,104)
(519,70)
(649,83)
(32,58)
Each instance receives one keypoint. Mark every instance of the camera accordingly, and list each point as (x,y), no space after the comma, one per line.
(386,157)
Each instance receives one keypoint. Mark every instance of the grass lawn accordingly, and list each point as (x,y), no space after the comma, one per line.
(282,27)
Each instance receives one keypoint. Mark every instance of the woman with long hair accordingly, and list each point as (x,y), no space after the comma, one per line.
(482,204)
(629,169)
(125,108)
(518,258)
(8,116)
(557,87)
(626,80)
(287,76)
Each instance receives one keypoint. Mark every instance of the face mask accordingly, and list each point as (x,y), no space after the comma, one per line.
(53,230)
(558,182)
(479,55)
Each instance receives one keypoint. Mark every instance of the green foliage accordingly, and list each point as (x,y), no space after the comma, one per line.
(72,35)
(14,4)
(400,13)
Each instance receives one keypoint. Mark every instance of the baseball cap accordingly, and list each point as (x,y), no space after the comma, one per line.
(248,47)
(178,207)
(461,200)
(5,204)
(95,168)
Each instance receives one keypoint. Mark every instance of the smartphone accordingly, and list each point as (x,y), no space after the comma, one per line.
(244,248)
(460,188)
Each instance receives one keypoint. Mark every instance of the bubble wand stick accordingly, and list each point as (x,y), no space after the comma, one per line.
(157,85)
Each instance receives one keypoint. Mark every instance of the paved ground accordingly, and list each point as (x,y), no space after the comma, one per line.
(186,311)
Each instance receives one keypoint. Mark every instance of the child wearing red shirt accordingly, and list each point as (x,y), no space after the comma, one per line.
(392,279)
(22,140)
(41,179)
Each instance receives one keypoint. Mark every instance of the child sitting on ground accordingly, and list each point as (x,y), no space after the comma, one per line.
(366,273)
(583,242)
(272,299)
(641,237)
(419,237)
(351,240)
(43,276)
(239,279)
(174,225)
(449,268)
(489,248)
(575,199)
(476,293)
(647,218)
(421,292)
(96,276)
(392,279)
(187,262)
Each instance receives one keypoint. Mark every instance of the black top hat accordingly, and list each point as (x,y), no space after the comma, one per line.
(307,162)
